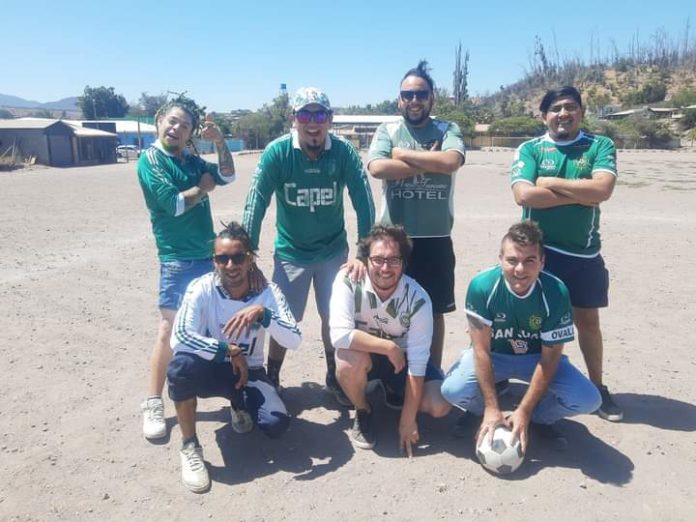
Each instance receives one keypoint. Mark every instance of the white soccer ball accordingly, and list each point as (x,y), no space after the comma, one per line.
(502,456)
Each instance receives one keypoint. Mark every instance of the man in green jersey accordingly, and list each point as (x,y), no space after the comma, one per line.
(175,184)
(308,170)
(519,319)
(560,179)
(417,159)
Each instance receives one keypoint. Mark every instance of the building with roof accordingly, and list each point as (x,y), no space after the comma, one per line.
(360,128)
(56,143)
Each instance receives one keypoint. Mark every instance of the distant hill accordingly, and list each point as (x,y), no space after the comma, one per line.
(65,104)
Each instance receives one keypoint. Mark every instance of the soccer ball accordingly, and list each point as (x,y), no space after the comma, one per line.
(502,456)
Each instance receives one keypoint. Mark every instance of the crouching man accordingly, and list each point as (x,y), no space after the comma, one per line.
(519,319)
(218,343)
(382,329)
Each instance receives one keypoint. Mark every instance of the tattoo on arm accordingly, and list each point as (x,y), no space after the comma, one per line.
(225,161)
(475,323)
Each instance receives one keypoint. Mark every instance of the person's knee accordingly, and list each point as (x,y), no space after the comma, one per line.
(587,319)
(436,408)
(275,424)
(590,400)
(351,366)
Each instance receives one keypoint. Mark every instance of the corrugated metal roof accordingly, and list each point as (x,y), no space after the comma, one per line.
(27,123)
(85,132)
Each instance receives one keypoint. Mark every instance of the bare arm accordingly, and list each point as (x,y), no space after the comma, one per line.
(584,191)
(408,427)
(481,341)
(442,162)
(532,196)
(390,169)
(541,378)
(211,132)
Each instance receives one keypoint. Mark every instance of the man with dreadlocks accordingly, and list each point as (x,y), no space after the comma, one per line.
(175,184)
(218,342)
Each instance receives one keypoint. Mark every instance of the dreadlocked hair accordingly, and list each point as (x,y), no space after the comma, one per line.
(234,231)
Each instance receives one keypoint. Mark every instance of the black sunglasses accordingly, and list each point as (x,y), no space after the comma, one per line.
(411,95)
(237,259)
(304,116)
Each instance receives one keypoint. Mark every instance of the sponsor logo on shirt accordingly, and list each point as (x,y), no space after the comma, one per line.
(519,346)
(310,197)
(561,334)
(547,164)
(500,317)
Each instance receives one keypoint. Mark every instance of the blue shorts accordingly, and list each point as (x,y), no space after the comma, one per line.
(191,376)
(175,276)
(587,278)
(383,370)
(431,263)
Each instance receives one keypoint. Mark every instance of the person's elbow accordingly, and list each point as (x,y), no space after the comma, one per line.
(377,168)
(521,195)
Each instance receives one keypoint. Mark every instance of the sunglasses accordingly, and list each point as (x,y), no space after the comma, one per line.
(417,95)
(304,116)
(237,259)
(390,261)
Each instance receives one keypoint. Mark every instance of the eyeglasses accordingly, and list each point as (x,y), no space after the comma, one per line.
(411,95)
(237,259)
(390,261)
(304,116)
(569,107)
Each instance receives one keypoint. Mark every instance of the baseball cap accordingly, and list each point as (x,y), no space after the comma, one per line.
(309,95)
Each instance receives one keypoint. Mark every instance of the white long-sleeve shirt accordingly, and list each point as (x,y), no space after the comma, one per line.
(406,317)
(207,307)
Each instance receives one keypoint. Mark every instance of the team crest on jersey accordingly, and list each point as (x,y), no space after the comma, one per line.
(405,320)
(582,164)
(535,322)
(519,346)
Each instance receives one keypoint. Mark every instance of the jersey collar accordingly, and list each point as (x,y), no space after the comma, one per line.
(296,140)
(580,136)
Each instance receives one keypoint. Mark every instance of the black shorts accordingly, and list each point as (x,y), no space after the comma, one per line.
(432,264)
(587,279)
(383,370)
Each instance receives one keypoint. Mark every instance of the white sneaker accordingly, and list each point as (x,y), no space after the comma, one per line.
(241,420)
(154,426)
(194,474)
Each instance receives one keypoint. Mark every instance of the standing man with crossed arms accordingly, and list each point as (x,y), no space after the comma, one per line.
(417,159)
(560,179)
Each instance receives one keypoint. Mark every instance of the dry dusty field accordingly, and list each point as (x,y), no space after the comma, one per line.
(78,284)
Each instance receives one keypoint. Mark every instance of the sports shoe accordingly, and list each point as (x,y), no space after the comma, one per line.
(463,425)
(609,410)
(154,426)
(240,420)
(502,387)
(335,389)
(392,399)
(194,475)
(361,434)
(550,435)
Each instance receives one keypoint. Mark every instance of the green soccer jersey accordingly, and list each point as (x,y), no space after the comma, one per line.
(179,234)
(309,198)
(422,204)
(521,324)
(569,229)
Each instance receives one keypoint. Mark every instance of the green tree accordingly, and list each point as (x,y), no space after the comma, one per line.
(461,73)
(102,102)
(148,105)
(41,113)
(688,121)
(254,129)
(517,126)
(684,97)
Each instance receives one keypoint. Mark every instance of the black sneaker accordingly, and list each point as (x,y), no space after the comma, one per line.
(335,389)
(609,410)
(464,424)
(361,434)
(502,387)
(392,399)
(549,435)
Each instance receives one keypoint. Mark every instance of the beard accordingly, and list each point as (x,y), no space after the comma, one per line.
(416,121)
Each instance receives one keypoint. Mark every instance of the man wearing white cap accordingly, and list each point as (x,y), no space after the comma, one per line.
(308,170)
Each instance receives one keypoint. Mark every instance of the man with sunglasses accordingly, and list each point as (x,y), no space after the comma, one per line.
(308,170)
(381,327)
(416,159)
(560,179)
(218,342)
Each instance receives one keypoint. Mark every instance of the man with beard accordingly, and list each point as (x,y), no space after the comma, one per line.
(308,170)
(218,342)
(416,159)
(560,179)
(381,327)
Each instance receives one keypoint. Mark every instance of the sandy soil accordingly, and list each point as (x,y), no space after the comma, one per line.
(78,281)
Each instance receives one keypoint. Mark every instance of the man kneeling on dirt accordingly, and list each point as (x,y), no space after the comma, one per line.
(218,343)
(382,327)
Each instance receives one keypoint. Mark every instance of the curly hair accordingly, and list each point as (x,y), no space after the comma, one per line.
(381,232)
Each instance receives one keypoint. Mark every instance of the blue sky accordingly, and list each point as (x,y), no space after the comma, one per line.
(233,54)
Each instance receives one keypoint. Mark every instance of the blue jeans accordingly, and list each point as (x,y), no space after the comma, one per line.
(175,276)
(570,393)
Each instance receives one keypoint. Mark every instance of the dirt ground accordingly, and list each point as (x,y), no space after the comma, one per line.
(78,287)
